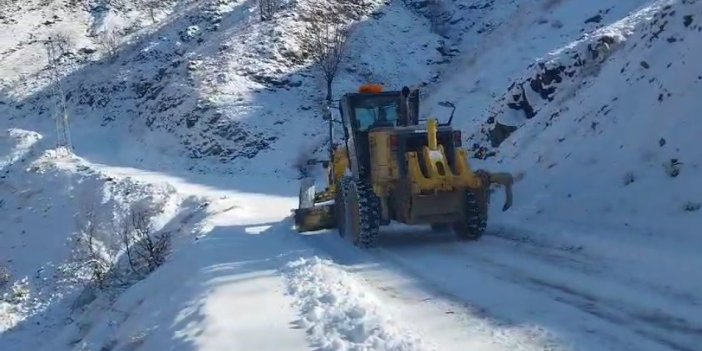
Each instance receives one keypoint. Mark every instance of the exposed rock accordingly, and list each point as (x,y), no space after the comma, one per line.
(594,19)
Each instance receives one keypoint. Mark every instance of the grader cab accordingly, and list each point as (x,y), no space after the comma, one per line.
(390,167)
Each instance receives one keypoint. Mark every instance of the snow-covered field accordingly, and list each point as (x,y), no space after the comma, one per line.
(202,110)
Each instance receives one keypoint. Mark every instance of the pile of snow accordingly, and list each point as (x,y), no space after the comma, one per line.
(338,312)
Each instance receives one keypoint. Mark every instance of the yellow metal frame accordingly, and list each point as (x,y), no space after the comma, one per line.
(385,167)
(440,176)
(448,181)
(340,163)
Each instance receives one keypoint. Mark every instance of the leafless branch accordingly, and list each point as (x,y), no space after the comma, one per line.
(62,41)
(325,42)
(88,248)
(267,8)
(109,42)
(150,6)
(145,249)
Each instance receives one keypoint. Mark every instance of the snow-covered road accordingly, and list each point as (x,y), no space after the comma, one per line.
(422,290)
(534,295)
(612,142)
(246,280)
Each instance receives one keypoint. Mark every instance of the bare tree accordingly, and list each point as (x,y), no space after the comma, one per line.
(89,251)
(109,42)
(267,8)
(145,249)
(150,6)
(325,42)
(62,41)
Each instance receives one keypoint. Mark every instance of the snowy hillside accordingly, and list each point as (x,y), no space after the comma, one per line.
(61,215)
(618,106)
(189,118)
(211,75)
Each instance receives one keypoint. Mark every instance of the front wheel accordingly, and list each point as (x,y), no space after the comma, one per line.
(361,213)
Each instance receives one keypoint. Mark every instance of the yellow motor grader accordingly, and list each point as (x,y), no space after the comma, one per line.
(390,167)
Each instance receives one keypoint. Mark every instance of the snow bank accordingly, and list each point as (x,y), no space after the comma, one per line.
(563,73)
(606,147)
(599,140)
(339,313)
(46,203)
(14,144)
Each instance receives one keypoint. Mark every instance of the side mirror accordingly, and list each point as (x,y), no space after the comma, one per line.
(405,91)
(447,104)
(453,109)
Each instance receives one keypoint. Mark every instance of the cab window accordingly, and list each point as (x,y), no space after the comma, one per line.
(376,115)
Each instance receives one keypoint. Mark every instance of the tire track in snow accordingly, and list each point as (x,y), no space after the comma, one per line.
(587,261)
(653,325)
(590,264)
(505,261)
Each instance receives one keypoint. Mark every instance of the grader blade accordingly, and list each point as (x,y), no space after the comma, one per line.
(311,216)
(315,218)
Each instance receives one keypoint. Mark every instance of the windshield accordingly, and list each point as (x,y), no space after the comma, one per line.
(376,114)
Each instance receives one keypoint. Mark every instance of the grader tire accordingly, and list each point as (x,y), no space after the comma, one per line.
(474,222)
(361,212)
